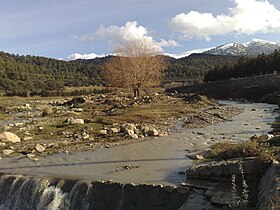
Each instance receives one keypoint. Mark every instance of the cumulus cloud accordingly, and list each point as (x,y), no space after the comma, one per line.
(130,31)
(246,18)
(76,56)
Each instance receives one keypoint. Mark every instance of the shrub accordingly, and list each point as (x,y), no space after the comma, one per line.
(245,149)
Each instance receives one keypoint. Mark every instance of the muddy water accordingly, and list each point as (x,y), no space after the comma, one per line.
(157,161)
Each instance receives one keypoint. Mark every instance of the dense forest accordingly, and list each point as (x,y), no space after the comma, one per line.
(33,75)
(20,75)
(196,66)
(246,67)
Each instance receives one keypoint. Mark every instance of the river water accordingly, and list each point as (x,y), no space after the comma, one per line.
(156,161)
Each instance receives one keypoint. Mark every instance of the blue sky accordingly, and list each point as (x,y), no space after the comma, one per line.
(59,28)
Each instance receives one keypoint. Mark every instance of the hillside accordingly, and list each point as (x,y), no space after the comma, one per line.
(21,75)
(246,67)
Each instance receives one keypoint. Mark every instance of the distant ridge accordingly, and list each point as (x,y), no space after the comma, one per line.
(252,48)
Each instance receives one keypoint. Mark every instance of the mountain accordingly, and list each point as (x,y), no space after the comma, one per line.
(187,53)
(252,48)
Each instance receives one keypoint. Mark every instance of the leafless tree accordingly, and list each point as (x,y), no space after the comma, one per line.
(135,64)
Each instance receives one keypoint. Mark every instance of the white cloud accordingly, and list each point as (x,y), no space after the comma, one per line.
(76,56)
(130,31)
(247,17)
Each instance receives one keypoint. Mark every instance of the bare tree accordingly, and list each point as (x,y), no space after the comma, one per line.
(136,64)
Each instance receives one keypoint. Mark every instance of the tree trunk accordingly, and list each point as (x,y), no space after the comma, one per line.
(136,92)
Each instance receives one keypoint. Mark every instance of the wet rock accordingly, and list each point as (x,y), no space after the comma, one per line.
(262,138)
(40,148)
(72,121)
(200,155)
(9,137)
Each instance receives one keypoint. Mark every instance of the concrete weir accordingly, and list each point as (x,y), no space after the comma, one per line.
(34,192)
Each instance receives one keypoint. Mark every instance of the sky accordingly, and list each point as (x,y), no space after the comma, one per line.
(70,29)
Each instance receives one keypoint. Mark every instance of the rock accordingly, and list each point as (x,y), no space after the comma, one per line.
(8,151)
(114,130)
(77,109)
(72,121)
(9,137)
(74,101)
(103,132)
(19,124)
(47,111)
(27,106)
(149,131)
(27,138)
(30,156)
(222,198)
(204,154)
(129,129)
(40,148)
(6,127)
(153,132)
(265,137)
(134,136)
(85,136)
(156,94)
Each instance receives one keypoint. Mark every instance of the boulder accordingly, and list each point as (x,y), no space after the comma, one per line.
(9,137)
(72,121)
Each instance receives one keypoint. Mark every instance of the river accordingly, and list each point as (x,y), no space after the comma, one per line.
(157,161)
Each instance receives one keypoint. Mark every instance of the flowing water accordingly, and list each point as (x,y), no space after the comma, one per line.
(157,161)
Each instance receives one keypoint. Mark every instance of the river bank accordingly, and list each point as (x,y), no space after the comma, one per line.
(157,161)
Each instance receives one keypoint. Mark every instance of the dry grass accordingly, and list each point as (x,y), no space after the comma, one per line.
(245,149)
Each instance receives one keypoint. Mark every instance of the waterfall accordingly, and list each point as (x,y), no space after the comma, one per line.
(22,192)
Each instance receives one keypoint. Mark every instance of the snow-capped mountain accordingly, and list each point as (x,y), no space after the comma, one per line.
(252,48)
(187,53)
